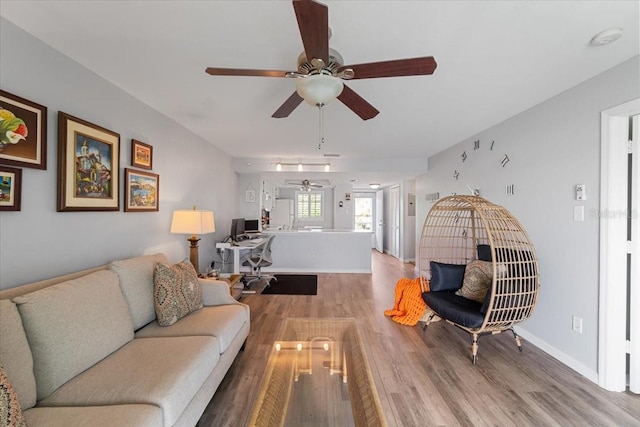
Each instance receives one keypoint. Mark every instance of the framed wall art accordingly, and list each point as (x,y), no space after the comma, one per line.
(141,191)
(88,166)
(23,132)
(141,155)
(10,188)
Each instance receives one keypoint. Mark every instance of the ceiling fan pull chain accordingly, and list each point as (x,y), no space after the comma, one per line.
(321,126)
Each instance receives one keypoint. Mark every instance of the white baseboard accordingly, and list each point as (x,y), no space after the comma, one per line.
(561,356)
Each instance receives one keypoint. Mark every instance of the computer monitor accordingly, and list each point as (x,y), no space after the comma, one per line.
(237,228)
(251,226)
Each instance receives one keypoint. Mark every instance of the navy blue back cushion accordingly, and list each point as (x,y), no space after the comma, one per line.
(484,253)
(446,277)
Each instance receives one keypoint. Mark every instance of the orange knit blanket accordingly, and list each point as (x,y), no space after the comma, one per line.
(409,306)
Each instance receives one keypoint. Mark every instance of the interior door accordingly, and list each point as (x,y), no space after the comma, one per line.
(380,221)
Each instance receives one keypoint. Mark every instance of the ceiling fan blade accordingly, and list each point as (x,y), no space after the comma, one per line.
(394,68)
(289,105)
(243,72)
(313,22)
(357,104)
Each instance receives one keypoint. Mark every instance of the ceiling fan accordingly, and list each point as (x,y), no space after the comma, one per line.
(305,184)
(321,71)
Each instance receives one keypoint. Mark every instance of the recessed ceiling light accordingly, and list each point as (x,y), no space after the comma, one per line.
(605,37)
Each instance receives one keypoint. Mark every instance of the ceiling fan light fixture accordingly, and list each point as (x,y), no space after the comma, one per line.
(319,89)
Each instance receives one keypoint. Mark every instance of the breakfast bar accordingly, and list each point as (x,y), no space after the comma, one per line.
(320,251)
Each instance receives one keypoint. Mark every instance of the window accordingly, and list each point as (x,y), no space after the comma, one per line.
(364,213)
(309,206)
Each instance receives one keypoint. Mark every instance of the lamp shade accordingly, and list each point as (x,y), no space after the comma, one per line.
(193,222)
(319,88)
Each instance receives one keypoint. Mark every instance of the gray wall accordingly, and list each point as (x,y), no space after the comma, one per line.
(552,147)
(39,242)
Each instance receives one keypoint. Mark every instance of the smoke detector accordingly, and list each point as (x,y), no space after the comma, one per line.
(605,37)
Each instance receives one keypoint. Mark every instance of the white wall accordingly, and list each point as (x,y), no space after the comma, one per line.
(248,209)
(39,242)
(552,147)
(343,218)
(408,233)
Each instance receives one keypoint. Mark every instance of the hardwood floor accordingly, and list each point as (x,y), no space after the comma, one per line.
(424,379)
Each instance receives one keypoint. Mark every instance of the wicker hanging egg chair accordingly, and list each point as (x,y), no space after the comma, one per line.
(462,229)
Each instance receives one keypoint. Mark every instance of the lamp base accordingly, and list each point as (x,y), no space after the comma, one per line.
(193,253)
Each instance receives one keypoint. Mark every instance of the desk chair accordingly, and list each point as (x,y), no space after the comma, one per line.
(258,258)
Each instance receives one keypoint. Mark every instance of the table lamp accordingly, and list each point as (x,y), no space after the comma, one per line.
(193,222)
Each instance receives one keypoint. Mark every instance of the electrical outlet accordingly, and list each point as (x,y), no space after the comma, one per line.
(576,324)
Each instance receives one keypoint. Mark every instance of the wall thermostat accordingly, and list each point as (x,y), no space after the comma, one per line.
(581,192)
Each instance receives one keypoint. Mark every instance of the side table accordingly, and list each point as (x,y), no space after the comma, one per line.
(232,280)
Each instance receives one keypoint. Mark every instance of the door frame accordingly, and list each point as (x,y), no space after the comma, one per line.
(379,237)
(394,204)
(613,244)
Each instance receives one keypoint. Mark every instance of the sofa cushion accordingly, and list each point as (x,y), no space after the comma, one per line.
(176,292)
(10,411)
(15,354)
(138,415)
(223,321)
(136,282)
(446,277)
(455,308)
(166,372)
(477,279)
(73,325)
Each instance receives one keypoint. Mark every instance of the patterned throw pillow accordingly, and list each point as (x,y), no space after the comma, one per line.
(176,291)
(477,280)
(10,411)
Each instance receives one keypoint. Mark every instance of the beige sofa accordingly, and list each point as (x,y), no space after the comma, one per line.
(85,348)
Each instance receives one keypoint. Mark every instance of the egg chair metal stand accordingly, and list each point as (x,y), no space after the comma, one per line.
(459,229)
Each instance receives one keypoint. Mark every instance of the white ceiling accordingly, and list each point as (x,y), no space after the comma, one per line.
(495,59)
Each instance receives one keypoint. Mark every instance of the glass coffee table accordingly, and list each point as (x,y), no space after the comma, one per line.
(318,375)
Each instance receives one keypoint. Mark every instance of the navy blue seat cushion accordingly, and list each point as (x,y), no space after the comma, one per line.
(455,308)
(446,277)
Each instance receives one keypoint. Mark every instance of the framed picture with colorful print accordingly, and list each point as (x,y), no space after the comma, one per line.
(141,155)
(141,191)
(88,166)
(10,188)
(23,132)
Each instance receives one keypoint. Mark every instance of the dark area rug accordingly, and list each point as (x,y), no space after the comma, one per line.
(293,284)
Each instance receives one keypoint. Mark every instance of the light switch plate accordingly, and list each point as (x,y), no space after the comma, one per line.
(578,213)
